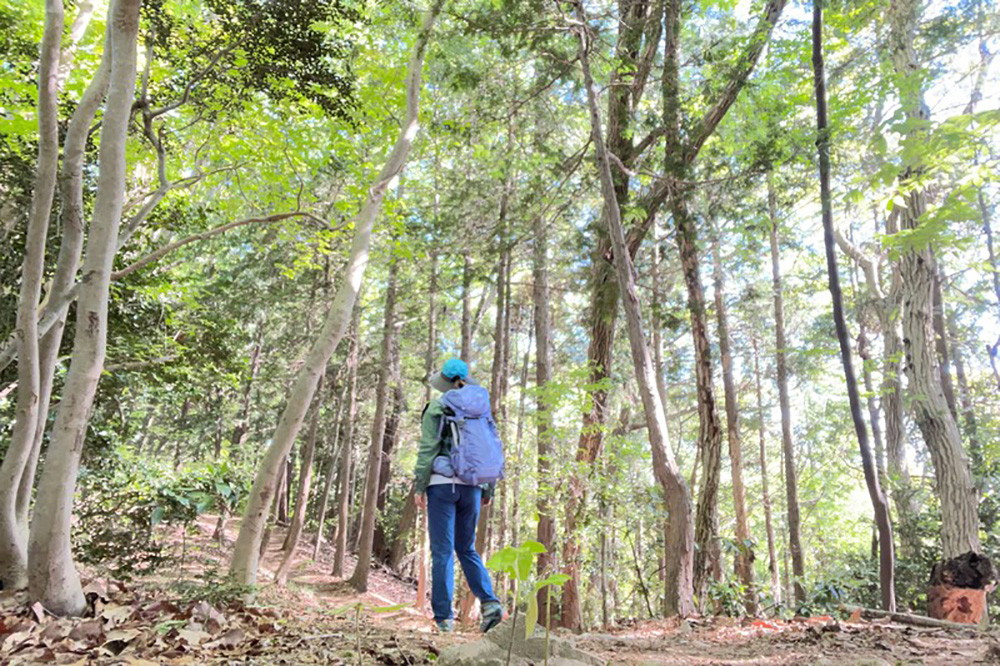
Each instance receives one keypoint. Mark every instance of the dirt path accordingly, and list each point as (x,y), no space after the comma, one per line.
(146,623)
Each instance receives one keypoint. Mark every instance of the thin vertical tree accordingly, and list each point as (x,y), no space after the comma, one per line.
(369,509)
(744,554)
(788,448)
(680,537)
(13,542)
(246,555)
(52,577)
(879,504)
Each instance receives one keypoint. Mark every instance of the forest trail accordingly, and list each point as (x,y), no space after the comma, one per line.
(155,620)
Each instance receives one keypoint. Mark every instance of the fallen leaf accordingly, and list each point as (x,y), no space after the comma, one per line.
(124,635)
(855,616)
(90,631)
(134,661)
(38,610)
(116,614)
(193,636)
(228,640)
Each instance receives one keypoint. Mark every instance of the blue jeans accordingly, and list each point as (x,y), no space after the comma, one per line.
(452,514)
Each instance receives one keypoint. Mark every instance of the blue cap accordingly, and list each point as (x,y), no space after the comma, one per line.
(455,368)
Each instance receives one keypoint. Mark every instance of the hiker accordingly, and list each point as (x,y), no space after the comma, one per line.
(459,461)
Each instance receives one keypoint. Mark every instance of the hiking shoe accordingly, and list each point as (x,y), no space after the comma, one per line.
(445,626)
(492,614)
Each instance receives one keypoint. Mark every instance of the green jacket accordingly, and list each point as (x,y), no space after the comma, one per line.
(431,447)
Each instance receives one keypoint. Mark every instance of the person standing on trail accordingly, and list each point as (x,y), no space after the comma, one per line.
(459,461)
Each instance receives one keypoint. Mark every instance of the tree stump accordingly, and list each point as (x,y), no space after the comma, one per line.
(958,588)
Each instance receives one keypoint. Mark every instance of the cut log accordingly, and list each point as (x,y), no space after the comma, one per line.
(958,588)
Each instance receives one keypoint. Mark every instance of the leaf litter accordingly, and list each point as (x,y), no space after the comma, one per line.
(138,624)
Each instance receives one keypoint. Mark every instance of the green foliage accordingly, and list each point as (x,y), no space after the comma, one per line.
(114,527)
(121,503)
(214,587)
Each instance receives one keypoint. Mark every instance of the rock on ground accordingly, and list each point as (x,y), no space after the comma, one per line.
(491,650)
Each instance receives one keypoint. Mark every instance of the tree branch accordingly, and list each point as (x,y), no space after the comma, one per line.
(741,73)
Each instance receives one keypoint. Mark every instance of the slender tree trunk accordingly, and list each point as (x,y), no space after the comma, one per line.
(745,556)
(959,517)
(70,246)
(331,470)
(707,549)
(13,553)
(772,557)
(791,481)
(245,556)
(604,294)
(52,577)
(359,580)
(466,351)
(242,425)
(543,375)
(680,546)
(381,546)
(879,503)
(430,355)
(302,494)
(347,449)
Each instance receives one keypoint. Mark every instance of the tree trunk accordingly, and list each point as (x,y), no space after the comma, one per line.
(604,294)
(680,539)
(369,511)
(430,355)
(707,548)
(70,246)
(245,556)
(941,344)
(466,352)
(331,470)
(772,557)
(745,555)
(381,546)
(52,577)
(791,482)
(543,375)
(879,504)
(347,449)
(13,553)
(302,493)
(243,418)
(959,517)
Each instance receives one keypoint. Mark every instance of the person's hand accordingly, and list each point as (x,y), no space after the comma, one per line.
(421,500)
(486,501)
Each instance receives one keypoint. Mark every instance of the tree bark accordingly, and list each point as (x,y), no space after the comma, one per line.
(791,482)
(681,533)
(347,449)
(745,555)
(707,548)
(52,577)
(959,517)
(302,494)
(331,470)
(13,553)
(772,557)
(625,93)
(245,556)
(466,345)
(70,246)
(359,580)
(879,504)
